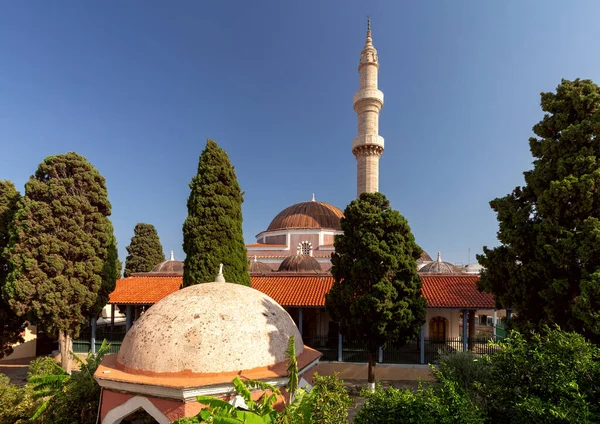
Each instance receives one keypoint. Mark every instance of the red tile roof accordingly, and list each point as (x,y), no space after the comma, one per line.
(441,291)
(144,290)
(455,291)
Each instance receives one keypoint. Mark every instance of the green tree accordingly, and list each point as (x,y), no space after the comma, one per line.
(547,266)
(145,250)
(212,231)
(11,325)
(62,252)
(376,296)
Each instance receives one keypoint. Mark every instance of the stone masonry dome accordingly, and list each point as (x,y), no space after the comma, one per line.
(439,267)
(208,328)
(310,214)
(258,267)
(169,267)
(300,263)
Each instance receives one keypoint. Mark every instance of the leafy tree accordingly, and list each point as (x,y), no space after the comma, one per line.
(376,296)
(62,252)
(547,266)
(11,325)
(212,232)
(145,250)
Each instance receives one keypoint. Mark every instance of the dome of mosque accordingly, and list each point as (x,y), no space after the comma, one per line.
(425,257)
(473,269)
(311,214)
(300,263)
(258,267)
(169,267)
(208,328)
(439,267)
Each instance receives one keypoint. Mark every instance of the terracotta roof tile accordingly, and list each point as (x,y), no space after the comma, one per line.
(455,291)
(144,290)
(441,291)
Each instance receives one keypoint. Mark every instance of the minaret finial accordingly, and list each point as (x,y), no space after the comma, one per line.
(313,198)
(172,258)
(439,259)
(368,22)
(220,278)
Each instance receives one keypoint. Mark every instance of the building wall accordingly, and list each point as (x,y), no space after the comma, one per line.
(27,348)
(453,321)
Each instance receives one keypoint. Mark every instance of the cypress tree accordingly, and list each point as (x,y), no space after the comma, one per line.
(376,295)
(212,232)
(145,250)
(547,266)
(11,325)
(62,251)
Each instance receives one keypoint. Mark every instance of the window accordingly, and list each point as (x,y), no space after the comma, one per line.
(490,321)
(483,319)
(305,248)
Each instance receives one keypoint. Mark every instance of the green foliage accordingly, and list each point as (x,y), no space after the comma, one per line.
(212,232)
(292,368)
(376,296)
(442,403)
(17,403)
(468,371)
(145,250)
(329,400)
(43,365)
(74,399)
(11,325)
(548,264)
(546,378)
(61,252)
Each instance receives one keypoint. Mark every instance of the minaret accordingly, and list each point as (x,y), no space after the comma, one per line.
(368,146)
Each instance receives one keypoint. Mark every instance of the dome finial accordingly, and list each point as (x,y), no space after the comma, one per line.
(172,258)
(439,259)
(313,198)
(368,22)
(255,258)
(220,278)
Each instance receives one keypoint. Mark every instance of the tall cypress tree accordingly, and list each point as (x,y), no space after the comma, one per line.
(62,251)
(145,250)
(376,295)
(11,325)
(547,266)
(212,232)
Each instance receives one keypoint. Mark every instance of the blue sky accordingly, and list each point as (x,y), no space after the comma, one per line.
(138,86)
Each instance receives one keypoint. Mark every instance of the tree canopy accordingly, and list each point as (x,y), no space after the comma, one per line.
(212,232)
(11,325)
(376,296)
(62,251)
(145,250)
(547,266)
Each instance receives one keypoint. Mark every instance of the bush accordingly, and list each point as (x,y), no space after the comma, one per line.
(468,371)
(17,403)
(441,403)
(329,400)
(44,365)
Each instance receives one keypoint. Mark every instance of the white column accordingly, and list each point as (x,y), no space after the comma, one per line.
(465,314)
(339,347)
(93,336)
(494,323)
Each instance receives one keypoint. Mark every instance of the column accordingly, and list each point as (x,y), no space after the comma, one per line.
(422,346)
(112,317)
(380,356)
(128,317)
(464,333)
(471,330)
(300,319)
(339,347)
(93,336)
(494,323)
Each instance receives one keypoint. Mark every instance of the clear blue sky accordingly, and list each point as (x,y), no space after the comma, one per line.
(138,86)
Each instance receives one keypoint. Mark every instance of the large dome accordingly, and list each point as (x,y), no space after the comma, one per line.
(308,215)
(209,328)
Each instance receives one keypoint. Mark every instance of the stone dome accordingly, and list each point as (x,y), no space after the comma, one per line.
(258,267)
(425,257)
(300,263)
(311,214)
(473,269)
(439,267)
(169,267)
(208,328)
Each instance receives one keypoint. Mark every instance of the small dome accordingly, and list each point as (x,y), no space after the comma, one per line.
(473,269)
(171,267)
(308,215)
(439,267)
(258,267)
(209,328)
(425,257)
(300,263)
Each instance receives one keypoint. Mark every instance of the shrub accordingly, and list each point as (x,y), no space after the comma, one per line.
(44,365)
(441,403)
(468,371)
(17,403)
(329,400)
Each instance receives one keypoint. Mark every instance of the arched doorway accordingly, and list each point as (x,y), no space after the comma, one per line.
(438,327)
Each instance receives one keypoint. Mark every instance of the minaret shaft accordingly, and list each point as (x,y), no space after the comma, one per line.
(368,145)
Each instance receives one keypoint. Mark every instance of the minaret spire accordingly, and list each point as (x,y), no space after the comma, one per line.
(368,146)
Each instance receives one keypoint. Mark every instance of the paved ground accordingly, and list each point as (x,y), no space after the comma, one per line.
(16,370)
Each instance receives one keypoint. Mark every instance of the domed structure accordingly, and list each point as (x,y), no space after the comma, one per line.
(439,267)
(425,257)
(300,263)
(310,214)
(473,269)
(169,267)
(209,330)
(258,267)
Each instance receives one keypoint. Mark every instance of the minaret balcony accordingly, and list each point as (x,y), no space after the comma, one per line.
(369,94)
(367,140)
